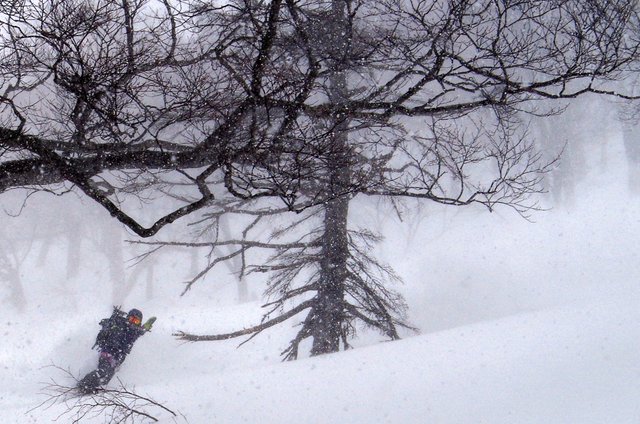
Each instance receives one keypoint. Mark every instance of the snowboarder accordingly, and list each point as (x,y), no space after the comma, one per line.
(114,341)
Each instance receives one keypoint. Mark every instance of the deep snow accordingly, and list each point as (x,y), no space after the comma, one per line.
(519,323)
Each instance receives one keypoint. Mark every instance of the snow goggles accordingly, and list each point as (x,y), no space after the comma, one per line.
(135,320)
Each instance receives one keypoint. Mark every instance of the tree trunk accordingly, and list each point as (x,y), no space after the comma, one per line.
(16,297)
(329,307)
(10,273)
(74,242)
(329,316)
(115,258)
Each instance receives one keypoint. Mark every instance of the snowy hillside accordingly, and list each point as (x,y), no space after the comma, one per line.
(567,365)
(519,323)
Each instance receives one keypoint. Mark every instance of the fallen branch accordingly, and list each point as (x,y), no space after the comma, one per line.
(119,405)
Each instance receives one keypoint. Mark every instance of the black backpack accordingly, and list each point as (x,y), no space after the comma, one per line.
(110,327)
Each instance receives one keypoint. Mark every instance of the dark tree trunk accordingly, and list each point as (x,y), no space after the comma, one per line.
(329,307)
(329,311)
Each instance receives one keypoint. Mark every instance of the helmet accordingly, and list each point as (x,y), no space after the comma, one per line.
(134,316)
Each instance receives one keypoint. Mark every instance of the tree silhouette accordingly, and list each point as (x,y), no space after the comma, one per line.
(310,103)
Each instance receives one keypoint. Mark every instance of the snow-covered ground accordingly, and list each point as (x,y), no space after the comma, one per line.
(519,323)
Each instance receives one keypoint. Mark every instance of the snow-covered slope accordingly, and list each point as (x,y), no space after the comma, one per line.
(577,364)
(520,323)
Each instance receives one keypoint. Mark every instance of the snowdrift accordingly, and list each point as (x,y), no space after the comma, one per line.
(569,365)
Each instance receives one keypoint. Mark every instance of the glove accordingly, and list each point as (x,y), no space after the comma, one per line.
(147,325)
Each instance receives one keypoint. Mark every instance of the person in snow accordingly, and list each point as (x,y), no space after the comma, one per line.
(114,341)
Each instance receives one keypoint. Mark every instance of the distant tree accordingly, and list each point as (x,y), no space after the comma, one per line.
(631,134)
(629,117)
(308,102)
(12,256)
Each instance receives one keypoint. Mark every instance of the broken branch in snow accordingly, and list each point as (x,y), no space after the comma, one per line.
(118,405)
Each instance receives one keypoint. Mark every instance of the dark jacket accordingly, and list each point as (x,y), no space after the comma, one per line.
(120,338)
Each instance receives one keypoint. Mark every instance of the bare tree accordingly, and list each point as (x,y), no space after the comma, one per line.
(309,102)
(438,123)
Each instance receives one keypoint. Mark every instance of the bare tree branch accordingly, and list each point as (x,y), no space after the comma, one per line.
(117,405)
